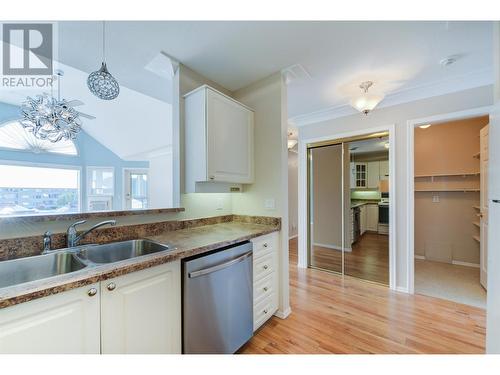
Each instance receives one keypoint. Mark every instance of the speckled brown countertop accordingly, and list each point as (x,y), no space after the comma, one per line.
(186,243)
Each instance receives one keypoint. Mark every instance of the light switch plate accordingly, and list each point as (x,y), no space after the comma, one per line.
(270,204)
(219,204)
(435,198)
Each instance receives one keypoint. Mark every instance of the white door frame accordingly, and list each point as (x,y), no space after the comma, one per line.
(303,214)
(411,124)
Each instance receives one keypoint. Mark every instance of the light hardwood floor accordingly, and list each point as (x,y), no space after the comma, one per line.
(368,260)
(335,315)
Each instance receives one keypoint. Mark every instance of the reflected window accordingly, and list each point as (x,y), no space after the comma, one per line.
(14,137)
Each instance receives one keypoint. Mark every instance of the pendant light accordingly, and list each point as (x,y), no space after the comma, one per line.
(101,83)
(366,102)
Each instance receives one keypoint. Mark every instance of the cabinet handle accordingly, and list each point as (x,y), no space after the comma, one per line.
(265,244)
(92,292)
(266,266)
(212,177)
(265,289)
(111,286)
(265,311)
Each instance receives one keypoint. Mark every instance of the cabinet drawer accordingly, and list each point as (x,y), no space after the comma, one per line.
(264,287)
(264,245)
(264,310)
(263,266)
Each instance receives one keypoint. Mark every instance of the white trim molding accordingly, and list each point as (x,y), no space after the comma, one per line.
(302,194)
(410,138)
(465,264)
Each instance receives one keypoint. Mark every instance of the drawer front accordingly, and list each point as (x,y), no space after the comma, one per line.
(263,266)
(265,244)
(264,310)
(264,288)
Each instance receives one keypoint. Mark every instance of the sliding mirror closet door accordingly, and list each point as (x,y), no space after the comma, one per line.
(325,207)
(366,253)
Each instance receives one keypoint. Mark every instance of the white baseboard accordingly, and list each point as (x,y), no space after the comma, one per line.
(421,257)
(283,314)
(466,264)
(292,237)
(402,289)
(339,248)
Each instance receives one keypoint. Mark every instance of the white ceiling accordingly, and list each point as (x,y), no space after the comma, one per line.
(400,57)
(368,145)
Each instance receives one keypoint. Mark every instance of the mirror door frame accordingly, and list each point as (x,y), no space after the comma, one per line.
(303,191)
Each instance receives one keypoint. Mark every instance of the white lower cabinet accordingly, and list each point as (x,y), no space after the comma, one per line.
(64,323)
(372,217)
(265,278)
(139,312)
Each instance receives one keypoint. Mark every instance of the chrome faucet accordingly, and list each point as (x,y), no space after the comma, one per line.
(73,239)
(47,242)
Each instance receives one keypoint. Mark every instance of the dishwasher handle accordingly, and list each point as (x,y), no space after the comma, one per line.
(219,267)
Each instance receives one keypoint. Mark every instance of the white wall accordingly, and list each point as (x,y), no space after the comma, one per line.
(493,303)
(399,115)
(293,194)
(160,181)
(268,98)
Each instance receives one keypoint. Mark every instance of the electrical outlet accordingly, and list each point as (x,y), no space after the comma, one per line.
(270,204)
(435,198)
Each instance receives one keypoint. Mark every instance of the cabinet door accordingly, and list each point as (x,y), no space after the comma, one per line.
(384,170)
(141,311)
(361,175)
(63,323)
(363,219)
(373,174)
(230,140)
(372,218)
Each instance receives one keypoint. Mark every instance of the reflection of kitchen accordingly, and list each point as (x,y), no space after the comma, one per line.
(369,215)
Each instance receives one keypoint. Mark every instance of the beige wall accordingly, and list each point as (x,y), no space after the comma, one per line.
(444,230)
(327,196)
(399,115)
(293,198)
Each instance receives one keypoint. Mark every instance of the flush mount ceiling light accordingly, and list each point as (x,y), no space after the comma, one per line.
(425,126)
(101,83)
(366,102)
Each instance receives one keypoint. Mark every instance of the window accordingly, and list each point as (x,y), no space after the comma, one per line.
(14,137)
(31,190)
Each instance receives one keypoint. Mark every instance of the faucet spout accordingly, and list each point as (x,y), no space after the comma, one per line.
(74,239)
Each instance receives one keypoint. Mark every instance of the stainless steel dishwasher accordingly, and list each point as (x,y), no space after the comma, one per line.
(217,300)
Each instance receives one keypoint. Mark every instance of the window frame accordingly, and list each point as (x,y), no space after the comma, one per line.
(124,176)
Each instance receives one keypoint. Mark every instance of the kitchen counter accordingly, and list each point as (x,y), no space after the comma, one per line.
(355,204)
(185,243)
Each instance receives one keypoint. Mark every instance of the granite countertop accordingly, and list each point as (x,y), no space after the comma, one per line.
(186,243)
(355,204)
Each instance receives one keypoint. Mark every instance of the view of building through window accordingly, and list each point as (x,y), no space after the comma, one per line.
(26,190)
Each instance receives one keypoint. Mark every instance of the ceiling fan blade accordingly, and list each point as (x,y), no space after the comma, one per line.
(90,117)
(75,103)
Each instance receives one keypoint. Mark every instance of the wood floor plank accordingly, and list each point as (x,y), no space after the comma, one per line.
(331,314)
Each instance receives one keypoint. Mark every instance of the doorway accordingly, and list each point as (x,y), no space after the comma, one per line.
(136,189)
(450,215)
(349,206)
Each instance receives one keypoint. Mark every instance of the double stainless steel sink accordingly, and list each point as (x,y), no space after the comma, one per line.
(59,262)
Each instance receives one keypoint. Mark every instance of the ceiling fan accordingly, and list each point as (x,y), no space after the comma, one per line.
(77,103)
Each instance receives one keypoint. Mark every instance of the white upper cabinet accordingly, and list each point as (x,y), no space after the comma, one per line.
(384,170)
(373,175)
(219,142)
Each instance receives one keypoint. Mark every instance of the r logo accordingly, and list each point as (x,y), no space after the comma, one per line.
(27,49)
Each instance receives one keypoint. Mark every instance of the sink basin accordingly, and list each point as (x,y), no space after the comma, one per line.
(116,251)
(23,270)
